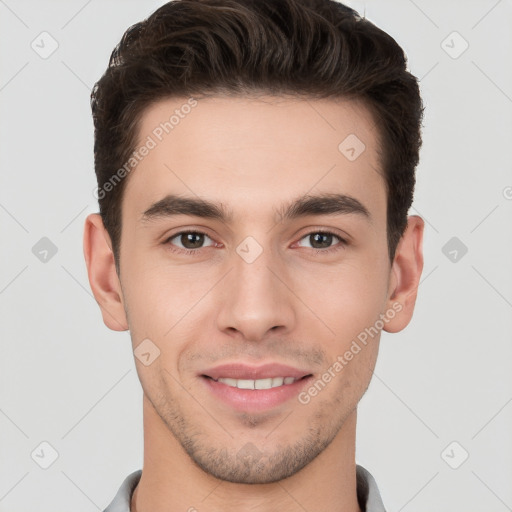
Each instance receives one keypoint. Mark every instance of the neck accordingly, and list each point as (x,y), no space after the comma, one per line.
(172,481)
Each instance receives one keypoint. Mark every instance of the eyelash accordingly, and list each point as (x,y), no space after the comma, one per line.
(194,252)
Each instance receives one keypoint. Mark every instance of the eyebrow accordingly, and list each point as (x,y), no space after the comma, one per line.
(321,204)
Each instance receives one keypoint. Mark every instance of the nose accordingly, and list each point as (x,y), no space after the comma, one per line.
(256,299)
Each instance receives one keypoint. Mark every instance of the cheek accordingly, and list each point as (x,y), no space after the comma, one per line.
(347,298)
(162,299)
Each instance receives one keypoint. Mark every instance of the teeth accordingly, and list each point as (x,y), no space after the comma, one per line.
(263,384)
(244,384)
(277,381)
(273,382)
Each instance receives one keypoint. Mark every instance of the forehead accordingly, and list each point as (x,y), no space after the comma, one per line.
(260,151)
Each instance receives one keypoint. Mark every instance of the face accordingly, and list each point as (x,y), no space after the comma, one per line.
(254,249)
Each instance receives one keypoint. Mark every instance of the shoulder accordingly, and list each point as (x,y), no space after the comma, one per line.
(121,501)
(368,494)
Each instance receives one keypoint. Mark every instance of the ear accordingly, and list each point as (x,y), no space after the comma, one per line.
(405,275)
(101,270)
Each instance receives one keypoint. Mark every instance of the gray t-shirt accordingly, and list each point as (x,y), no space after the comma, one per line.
(367,492)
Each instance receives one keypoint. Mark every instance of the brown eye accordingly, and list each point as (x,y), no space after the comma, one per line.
(324,241)
(192,240)
(320,240)
(189,240)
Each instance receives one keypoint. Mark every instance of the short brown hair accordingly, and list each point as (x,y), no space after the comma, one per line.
(307,48)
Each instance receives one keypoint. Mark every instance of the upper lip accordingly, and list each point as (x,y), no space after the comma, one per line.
(245,371)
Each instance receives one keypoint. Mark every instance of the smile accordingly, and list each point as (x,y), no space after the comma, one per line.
(268,383)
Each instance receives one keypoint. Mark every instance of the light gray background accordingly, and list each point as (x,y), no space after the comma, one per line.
(69,381)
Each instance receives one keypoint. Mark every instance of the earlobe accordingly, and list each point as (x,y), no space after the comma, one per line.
(406,269)
(101,271)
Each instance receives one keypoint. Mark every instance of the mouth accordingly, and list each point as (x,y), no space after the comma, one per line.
(267,383)
(252,389)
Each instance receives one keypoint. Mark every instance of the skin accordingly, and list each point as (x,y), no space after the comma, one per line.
(295,304)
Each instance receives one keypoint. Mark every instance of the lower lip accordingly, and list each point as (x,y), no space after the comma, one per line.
(255,399)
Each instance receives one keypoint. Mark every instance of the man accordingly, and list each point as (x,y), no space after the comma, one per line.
(255,165)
